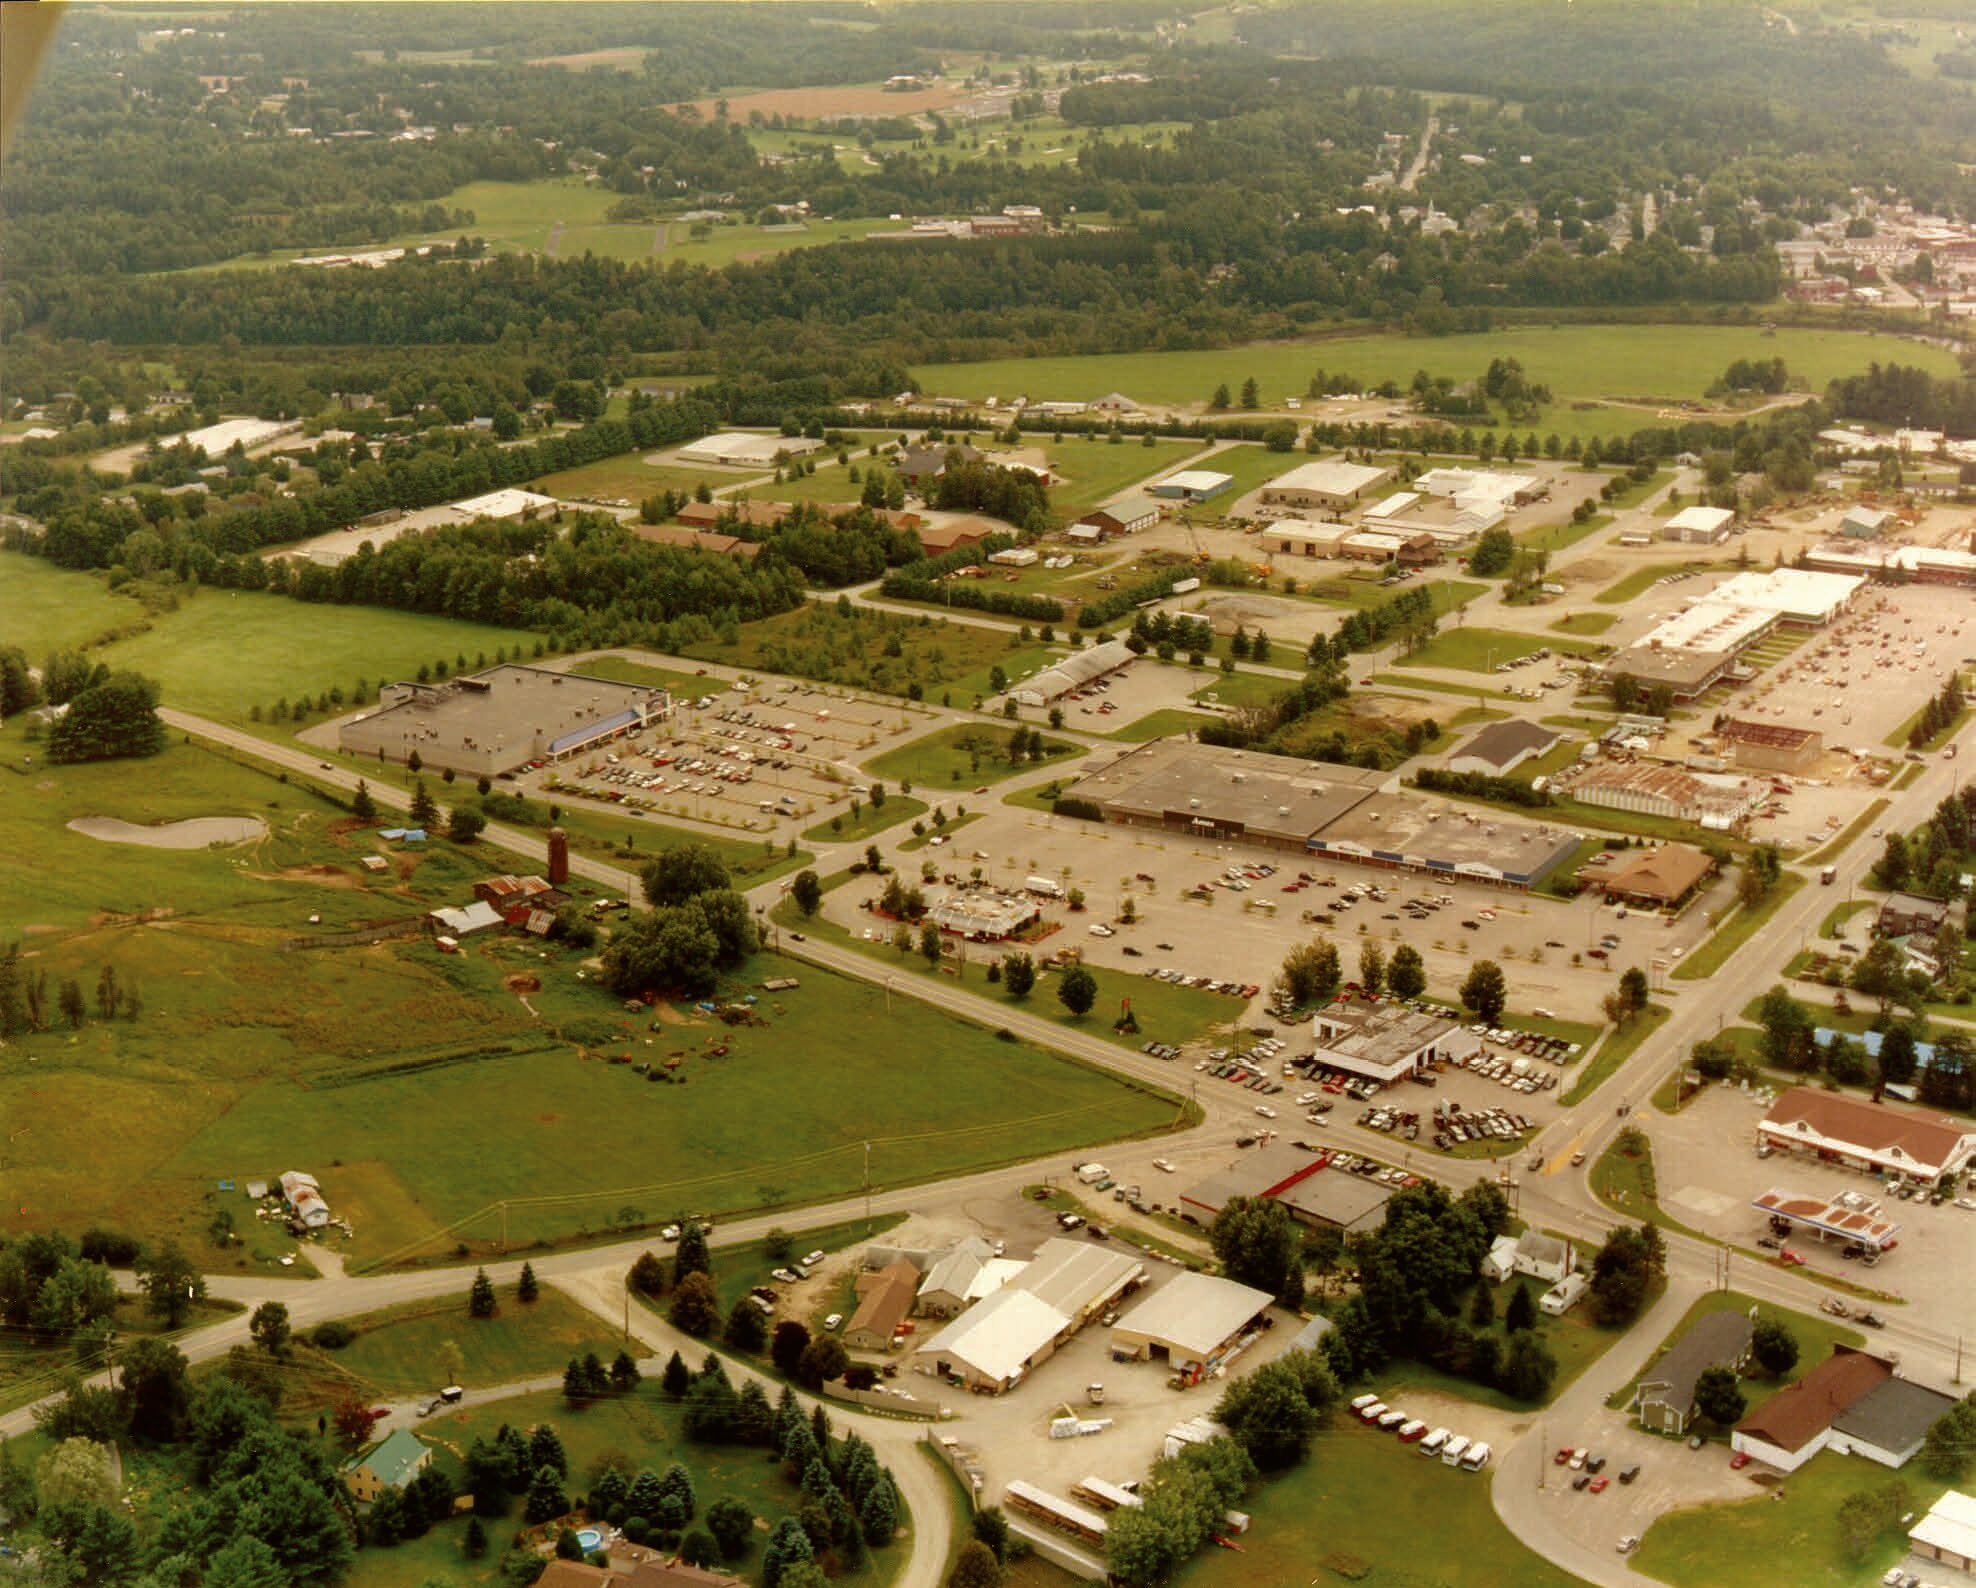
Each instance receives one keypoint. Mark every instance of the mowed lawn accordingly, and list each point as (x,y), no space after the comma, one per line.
(1579,363)
(224,652)
(398,1351)
(1094,471)
(1380,1509)
(963,754)
(1482,650)
(44,608)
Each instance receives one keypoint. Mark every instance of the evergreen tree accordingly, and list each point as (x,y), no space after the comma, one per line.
(1521,1313)
(787,1546)
(481,1301)
(677,1378)
(475,1541)
(878,1516)
(678,1483)
(526,1288)
(545,1496)
(625,1376)
(645,1494)
(362,806)
(545,1449)
(424,812)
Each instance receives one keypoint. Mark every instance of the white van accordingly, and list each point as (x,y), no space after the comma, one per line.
(1476,1459)
(1454,1450)
(1431,1445)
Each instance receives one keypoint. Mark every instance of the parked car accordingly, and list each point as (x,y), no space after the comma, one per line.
(1739,1460)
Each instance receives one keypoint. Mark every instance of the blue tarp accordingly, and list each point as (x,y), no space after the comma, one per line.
(1825,1036)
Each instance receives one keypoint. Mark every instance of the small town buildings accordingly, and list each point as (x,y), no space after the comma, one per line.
(1299,1183)
(993,1345)
(1501,747)
(1665,1398)
(742,449)
(1865,523)
(1534,1254)
(1712,800)
(1658,878)
(710,515)
(464,921)
(1123,517)
(1294,537)
(1386,1042)
(1873,1137)
(696,540)
(1770,746)
(1947,1534)
(1192,485)
(1801,598)
(1410,548)
(1699,526)
(948,1285)
(1852,1402)
(1905,914)
(923,463)
(1075,671)
(885,1300)
(390,1464)
(1015,557)
(984,914)
(1944,565)
(1115,403)
(1330,486)
(953,533)
(506,893)
(305,1199)
(1191,1321)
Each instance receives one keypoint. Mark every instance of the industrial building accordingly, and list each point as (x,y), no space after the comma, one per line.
(509,503)
(1192,1321)
(1475,487)
(1712,800)
(1865,523)
(1412,548)
(1699,526)
(1800,597)
(1293,537)
(1897,564)
(1073,673)
(1502,747)
(1123,517)
(483,724)
(1192,485)
(1693,650)
(1313,1195)
(743,449)
(1770,746)
(1873,1137)
(1332,485)
(1206,791)
(993,1345)
(1405,832)
(1386,1042)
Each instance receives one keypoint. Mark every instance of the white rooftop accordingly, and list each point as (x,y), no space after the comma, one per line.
(1949,1526)
(1794,592)
(997,1335)
(1469,483)
(1195,1313)
(1709,625)
(1333,477)
(1704,520)
(1198,480)
(248,432)
(1070,1276)
(503,504)
(1399,502)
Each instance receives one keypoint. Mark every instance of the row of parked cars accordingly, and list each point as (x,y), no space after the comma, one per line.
(1455,1450)
(1590,1469)
(1457,1125)
(1234,989)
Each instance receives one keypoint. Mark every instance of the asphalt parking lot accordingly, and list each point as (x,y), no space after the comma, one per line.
(1709,1174)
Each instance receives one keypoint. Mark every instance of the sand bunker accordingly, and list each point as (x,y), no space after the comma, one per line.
(198,833)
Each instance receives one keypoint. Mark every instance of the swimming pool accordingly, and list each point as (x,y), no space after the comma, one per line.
(590,1538)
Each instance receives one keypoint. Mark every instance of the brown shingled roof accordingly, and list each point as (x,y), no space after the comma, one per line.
(1795,1416)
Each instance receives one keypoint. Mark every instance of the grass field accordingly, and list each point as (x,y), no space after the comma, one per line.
(1641,580)
(1738,1542)
(1585,624)
(1158,724)
(1349,590)
(846,828)
(1579,363)
(398,1351)
(44,608)
(246,1059)
(946,659)
(628,477)
(960,758)
(567,215)
(642,1427)
(1480,650)
(225,651)
(681,682)
(1350,1503)
(1094,471)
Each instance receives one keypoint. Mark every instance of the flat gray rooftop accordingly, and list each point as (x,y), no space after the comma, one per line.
(1410,830)
(1274,795)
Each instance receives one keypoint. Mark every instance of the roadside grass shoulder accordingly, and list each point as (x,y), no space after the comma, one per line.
(1479,650)
(1343,1503)
(1641,580)
(1618,1046)
(959,757)
(1742,925)
(848,827)
(1588,625)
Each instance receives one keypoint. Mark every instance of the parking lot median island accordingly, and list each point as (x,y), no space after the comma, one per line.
(1741,926)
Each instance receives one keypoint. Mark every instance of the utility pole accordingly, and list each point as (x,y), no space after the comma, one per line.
(504,1227)
(867,1183)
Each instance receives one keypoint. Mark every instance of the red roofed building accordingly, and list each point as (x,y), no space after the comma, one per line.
(1796,1423)
(1871,1136)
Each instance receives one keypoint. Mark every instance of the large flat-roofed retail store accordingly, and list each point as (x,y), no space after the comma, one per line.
(483,724)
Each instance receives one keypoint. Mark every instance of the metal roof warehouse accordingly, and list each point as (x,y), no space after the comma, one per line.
(1406,832)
